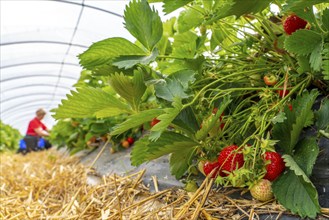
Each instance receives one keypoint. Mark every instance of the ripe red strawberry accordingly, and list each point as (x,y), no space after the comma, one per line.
(262,190)
(229,159)
(276,167)
(209,166)
(154,122)
(130,140)
(282,93)
(292,23)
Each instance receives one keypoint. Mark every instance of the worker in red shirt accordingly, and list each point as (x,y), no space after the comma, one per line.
(35,131)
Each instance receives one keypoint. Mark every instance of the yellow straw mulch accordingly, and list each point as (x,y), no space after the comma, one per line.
(50,185)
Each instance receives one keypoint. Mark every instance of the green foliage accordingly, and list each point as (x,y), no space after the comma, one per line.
(187,121)
(316,58)
(168,116)
(325,62)
(325,19)
(9,137)
(322,115)
(176,85)
(240,7)
(80,134)
(103,52)
(131,89)
(136,119)
(305,154)
(190,18)
(180,161)
(180,146)
(294,193)
(289,131)
(300,159)
(131,60)
(172,5)
(209,123)
(90,102)
(184,45)
(292,165)
(303,42)
(146,27)
(299,5)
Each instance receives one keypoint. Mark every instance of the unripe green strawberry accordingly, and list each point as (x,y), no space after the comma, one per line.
(262,190)
(191,186)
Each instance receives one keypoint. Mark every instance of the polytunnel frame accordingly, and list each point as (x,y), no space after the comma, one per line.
(26,104)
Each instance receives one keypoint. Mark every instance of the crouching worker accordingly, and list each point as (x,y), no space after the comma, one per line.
(36,130)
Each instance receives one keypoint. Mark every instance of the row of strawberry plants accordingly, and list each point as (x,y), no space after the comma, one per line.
(9,137)
(88,133)
(225,83)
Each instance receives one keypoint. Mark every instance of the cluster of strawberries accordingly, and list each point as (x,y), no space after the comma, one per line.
(231,158)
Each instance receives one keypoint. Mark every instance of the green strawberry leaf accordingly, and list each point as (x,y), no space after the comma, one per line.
(139,153)
(179,65)
(292,165)
(220,33)
(288,132)
(171,5)
(131,89)
(304,64)
(90,102)
(168,116)
(316,57)
(169,89)
(135,120)
(240,7)
(305,154)
(175,85)
(169,142)
(325,19)
(106,70)
(187,121)
(184,45)
(129,61)
(184,77)
(325,61)
(303,42)
(143,23)
(299,5)
(180,161)
(103,52)
(190,18)
(297,195)
(322,115)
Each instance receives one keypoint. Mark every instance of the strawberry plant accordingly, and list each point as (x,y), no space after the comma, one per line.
(213,55)
(9,137)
